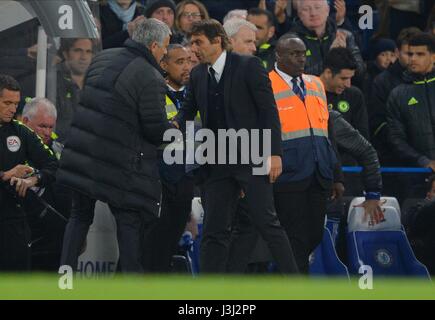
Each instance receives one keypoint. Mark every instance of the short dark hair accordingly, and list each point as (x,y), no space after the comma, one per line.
(405,35)
(211,29)
(423,39)
(261,12)
(430,182)
(67,43)
(171,47)
(338,59)
(8,83)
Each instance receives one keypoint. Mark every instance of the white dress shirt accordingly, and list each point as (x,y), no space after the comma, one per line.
(287,78)
(219,66)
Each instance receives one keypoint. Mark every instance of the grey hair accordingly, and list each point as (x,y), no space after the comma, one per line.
(35,104)
(149,31)
(237,13)
(233,26)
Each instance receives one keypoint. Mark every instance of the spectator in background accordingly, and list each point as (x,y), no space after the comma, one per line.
(265,36)
(219,8)
(237,13)
(411,116)
(188,12)
(340,66)
(242,36)
(407,13)
(279,8)
(320,34)
(411,107)
(382,85)
(118,20)
(164,10)
(383,54)
(77,54)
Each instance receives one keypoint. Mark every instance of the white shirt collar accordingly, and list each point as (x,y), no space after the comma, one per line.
(287,78)
(219,65)
(172,89)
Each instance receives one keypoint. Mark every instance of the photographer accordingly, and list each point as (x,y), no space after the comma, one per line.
(25,162)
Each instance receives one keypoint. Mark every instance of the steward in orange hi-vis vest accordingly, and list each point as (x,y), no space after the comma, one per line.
(304,126)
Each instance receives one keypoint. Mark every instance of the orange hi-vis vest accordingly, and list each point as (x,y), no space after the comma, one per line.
(304,129)
(296,117)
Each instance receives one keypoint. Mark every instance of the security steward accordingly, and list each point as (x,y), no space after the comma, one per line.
(177,193)
(310,165)
(25,162)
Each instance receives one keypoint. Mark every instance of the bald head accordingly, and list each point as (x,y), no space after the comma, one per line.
(291,55)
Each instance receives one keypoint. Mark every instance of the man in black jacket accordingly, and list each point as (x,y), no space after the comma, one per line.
(411,107)
(381,88)
(231,91)
(411,114)
(320,34)
(177,187)
(18,146)
(265,35)
(111,154)
(353,143)
(340,67)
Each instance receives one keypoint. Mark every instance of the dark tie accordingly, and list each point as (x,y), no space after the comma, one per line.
(213,80)
(297,89)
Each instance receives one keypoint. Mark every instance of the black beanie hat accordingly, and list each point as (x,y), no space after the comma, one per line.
(381,45)
(156,4)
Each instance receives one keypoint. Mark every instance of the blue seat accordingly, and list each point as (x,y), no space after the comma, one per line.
(383,246)
(333,225)
(388,253)
(324,260)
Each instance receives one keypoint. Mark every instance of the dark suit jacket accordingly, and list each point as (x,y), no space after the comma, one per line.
(249,100)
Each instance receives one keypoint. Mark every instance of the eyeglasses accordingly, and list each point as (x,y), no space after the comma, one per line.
(194,15)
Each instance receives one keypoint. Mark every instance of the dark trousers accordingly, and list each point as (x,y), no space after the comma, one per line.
(244,241)
(14,245)
(161,242)
(302,214)
(130,224)
(221,191)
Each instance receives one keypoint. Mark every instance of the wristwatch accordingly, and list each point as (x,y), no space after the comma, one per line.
(38,176)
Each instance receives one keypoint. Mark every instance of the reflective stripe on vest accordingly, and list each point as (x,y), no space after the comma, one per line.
(297,119)
(171,109)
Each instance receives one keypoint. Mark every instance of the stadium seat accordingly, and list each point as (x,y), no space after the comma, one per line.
(388,253)
(333,224)
(389,202)
(324,260)
(357,222)
(384,246)
(198,214)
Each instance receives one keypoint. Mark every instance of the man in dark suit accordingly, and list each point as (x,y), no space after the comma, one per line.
(233,92)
